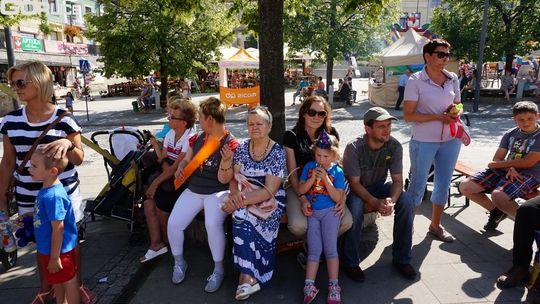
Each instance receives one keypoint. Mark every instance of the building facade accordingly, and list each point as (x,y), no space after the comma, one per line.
(424,8)
(62,47)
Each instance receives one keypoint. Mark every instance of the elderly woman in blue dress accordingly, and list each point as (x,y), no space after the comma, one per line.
(258,158)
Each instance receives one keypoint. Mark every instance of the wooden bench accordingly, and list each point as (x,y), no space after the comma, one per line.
(463,170)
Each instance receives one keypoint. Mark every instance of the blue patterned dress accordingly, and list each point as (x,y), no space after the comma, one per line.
(255,239)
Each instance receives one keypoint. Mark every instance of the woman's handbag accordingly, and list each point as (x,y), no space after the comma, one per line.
(263,209)
(12,187)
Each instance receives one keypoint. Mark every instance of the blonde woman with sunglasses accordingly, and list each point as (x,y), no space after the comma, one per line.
(33,84)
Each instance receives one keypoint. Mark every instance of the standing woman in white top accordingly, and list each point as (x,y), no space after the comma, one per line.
(428,95)
(161,195)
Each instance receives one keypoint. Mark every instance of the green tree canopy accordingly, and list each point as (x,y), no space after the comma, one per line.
(330,28)
(513,27)
(354,27)
(174,37)
(334,28)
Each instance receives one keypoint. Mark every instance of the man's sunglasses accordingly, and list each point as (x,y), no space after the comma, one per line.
(312,113)
(441,55)
(19,83)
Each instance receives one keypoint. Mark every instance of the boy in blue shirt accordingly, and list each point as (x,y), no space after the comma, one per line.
(55,227)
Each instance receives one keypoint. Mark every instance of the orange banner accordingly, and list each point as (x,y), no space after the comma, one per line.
(240,96)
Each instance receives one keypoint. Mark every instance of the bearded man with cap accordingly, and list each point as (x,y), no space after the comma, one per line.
(367,161)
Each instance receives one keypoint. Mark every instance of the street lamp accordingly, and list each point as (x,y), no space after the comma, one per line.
(70,3)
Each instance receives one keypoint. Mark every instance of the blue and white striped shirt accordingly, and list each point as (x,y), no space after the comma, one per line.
(22,134)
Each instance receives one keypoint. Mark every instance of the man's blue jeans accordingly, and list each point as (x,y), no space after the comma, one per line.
(403,226)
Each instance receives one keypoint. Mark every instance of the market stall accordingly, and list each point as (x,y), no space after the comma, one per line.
(236,90)
(405,53)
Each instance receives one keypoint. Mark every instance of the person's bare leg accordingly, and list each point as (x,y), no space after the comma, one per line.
(474,192)
(311,270)
(436,215)
(89,295)
(154,231)
(43,285)
(332,266)
(60,294)
(71,291)
(163,219)
(246,278)
(504,203)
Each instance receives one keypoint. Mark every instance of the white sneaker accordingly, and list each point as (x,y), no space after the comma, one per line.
(214,282)
(179,273)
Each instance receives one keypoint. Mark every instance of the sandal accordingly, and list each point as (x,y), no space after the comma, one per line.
(151,254)
(44,297)
(441,234)
(87,296)
(245,290)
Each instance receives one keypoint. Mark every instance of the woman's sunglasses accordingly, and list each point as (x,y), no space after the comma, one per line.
(170,116)
(312,113)
(442,55)
(19,83)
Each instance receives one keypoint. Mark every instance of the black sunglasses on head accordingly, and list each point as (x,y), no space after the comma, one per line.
(441,54)
(312,113)
(19,83)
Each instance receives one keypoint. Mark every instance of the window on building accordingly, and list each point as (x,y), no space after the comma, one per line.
(29,7)
(87,10)
(54,35)
(53,7)
(435,3)
(2,40)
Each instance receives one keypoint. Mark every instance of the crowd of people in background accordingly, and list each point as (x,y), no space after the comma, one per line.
(507,79)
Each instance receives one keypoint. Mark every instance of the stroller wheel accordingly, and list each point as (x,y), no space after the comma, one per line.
(8,259)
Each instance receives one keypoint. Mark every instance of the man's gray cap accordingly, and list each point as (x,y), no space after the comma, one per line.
(377,114)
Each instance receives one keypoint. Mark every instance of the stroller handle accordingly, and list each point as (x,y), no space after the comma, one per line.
(137,134)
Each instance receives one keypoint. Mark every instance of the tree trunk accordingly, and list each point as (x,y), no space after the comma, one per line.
(163,76)
(509,60)
(331,46)
(329,71)
(271,63)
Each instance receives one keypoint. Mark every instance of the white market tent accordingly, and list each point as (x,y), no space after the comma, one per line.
(407,50)
(242,59)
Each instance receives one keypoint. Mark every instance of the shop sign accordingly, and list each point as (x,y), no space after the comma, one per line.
(51,46)
(73,48)
(31,44)
(240,96)
(27,44)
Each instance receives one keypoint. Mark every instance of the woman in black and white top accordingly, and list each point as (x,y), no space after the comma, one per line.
(33,84)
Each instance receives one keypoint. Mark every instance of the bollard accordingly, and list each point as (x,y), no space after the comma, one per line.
(135,106)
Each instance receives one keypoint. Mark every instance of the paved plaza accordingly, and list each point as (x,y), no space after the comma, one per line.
(461,272)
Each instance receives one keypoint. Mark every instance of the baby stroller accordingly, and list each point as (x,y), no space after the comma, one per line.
(122,196)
